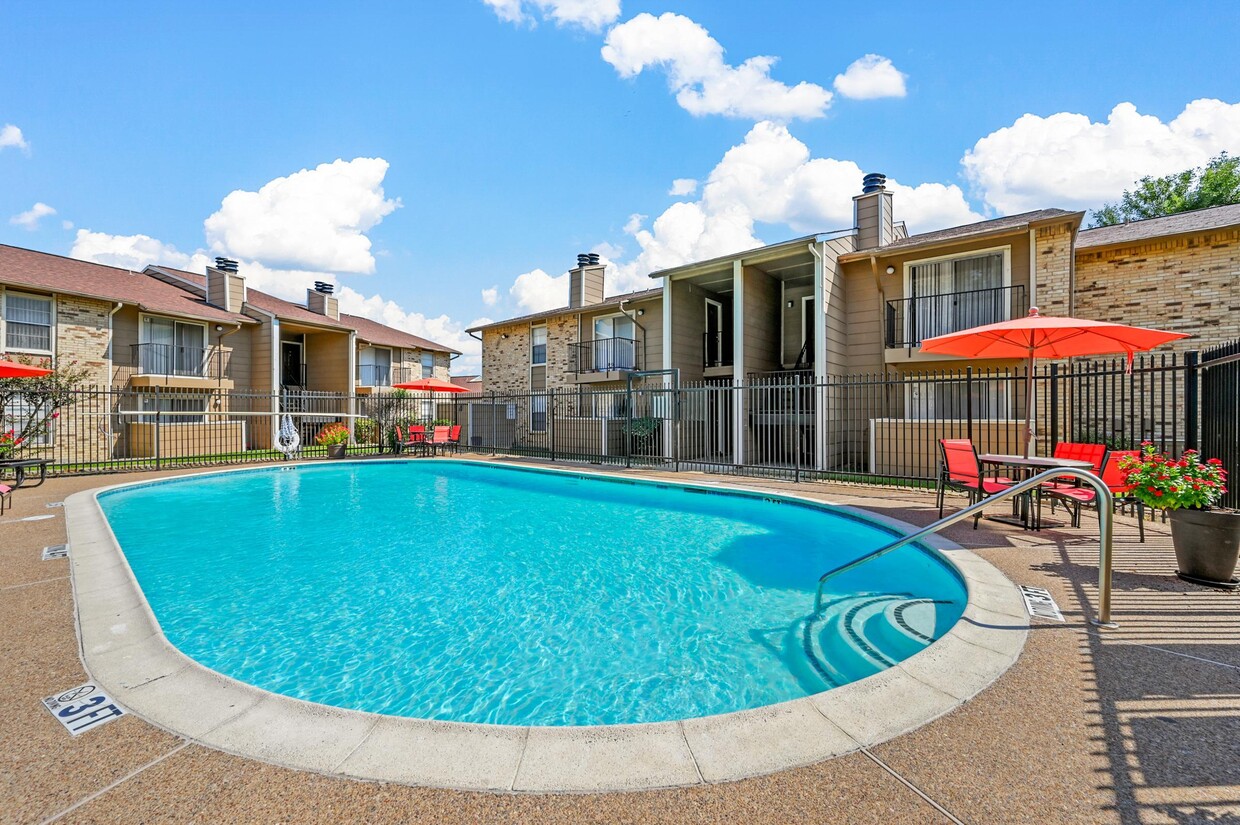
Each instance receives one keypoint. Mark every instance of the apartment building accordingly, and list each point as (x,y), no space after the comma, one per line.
(217,359)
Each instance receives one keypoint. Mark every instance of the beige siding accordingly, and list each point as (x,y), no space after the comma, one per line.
(761,310)
(835,298)
(688,327)
(328,355)
(791,318)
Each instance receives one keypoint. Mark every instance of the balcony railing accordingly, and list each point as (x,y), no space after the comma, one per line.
(377,375)
(188,362)
(605,355)
(909,321)
(716,350)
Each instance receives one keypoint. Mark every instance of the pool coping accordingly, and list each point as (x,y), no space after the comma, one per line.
(125,651)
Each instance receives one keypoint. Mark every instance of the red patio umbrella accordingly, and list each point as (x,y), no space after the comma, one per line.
(1039,336)
(12,369)
(430,385)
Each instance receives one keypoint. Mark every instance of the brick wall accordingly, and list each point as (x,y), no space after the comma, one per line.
(1189,284)
(561,335)
(506,361)
(1053,262)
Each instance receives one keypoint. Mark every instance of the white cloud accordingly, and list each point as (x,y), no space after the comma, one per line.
(315,219)
(29,220)
(592,15)
(490,295)
(869,77)
(66,225)
(133,251)
(703,83)
(10,135)
(682,187)
(536,291)
(1069,161)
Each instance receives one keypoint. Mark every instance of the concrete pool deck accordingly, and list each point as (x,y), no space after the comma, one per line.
(1136,725)
(125,652)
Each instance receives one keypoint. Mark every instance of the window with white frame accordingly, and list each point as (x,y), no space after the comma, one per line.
(174,409)
(374,366)
(538,413)
(538,345)
(950,294)
(428,364)
(16,416)
(27,322)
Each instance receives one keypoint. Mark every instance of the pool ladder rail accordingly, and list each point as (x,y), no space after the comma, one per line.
(1106,519)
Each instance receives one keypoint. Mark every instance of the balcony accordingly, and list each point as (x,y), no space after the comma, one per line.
(604,358)
(169,365)
(716,350)
(909,321)
(377,376)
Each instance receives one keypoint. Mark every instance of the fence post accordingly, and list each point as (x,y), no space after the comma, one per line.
(551,421)
(157,427)
(968,400)
(628,425)
(494,426)
(1192,420)
(1054,410)
(797,407)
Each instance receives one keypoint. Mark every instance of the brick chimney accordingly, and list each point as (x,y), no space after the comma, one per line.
(872,214)
(585,282)
(225,288)
(321,300)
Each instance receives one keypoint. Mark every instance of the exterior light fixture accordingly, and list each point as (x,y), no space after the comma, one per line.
(891,270)
(791,304)
(641,312)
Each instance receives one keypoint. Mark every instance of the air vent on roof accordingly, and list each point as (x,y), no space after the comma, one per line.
(323,287)
(226,264)
(583,259)
(593,256)
(873,182)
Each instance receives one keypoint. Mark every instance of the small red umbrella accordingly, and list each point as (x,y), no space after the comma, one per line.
(12,369)
(430,385)
(1039,336)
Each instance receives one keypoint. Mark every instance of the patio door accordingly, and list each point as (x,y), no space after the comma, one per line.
(713,347)
(291,372)
(955,294)
(375,365)
(615,344)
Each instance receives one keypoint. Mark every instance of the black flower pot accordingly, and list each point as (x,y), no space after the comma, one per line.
(1207,544)
(335,450)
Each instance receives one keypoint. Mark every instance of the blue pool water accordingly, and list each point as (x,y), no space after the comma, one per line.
(462,592)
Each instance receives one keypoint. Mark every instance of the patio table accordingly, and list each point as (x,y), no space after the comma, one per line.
(19,466)
(1026,467)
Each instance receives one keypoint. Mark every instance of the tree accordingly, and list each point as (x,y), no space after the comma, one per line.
(1215,184)
(28,406)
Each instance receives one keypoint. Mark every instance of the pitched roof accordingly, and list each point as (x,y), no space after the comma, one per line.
(615,300)
(469,382)
(1198,220)
(1008,223)
(376,333)
(56,273)
(371,331)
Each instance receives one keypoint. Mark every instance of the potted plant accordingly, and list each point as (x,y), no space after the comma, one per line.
(335,437)
(1206,538)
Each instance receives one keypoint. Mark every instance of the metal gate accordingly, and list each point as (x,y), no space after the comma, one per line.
(1220,413)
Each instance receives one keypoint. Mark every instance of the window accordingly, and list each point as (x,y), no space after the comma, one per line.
(538,413)
(28,322)
(428,364)
(17,413)
(538,345)
(614,346)
(187,409)
(952,294)
(172,347)
(374,367)
(949,399)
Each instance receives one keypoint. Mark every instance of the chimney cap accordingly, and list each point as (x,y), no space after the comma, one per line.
(324,287)
(873,182)
(226,264)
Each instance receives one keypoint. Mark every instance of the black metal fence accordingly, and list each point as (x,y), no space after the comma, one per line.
(878,428)
(1220,412)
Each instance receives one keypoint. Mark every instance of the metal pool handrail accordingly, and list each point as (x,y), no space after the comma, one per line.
(1106,517)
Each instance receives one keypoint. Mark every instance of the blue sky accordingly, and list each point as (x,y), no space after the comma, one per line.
(512,140)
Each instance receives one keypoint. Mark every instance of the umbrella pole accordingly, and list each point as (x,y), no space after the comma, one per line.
(1028,403)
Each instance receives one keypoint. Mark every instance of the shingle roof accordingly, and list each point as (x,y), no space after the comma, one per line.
(640,295)
(968,230)
(377,333)
(371,331)
(469,382)
(1199,220)
(55,273)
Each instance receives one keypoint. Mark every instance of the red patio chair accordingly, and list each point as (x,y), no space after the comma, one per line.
(414,436)
(454,437)
(440,437)
(1112,477)
(960,470)
(6,495)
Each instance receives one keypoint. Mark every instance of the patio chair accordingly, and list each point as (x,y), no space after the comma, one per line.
(1095,454)
(414,436)
(959,469)
(6,495)
(454,437)
(1112,477)
(440,437)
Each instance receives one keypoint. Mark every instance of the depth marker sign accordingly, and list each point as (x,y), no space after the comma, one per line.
(1040,603)
(82,708)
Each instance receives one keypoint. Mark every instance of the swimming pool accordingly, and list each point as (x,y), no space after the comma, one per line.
(463,592)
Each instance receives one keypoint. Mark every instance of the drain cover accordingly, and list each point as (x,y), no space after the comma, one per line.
(55,551)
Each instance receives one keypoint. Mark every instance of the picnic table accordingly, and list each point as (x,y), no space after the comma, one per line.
(20,468)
